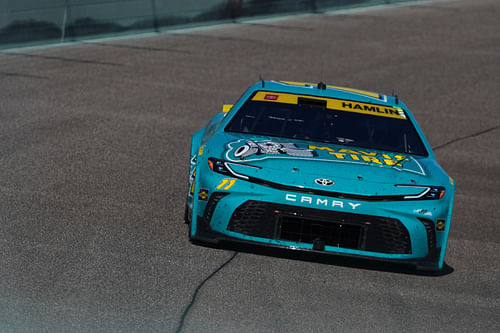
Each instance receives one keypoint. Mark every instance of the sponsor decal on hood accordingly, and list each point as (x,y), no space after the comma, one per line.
(247,150)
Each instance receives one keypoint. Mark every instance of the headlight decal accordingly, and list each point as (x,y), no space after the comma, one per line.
(428,193)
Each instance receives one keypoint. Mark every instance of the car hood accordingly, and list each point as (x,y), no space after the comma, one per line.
(324,166)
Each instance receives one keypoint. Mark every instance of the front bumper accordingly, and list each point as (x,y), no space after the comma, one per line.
(207,236)
(399,231)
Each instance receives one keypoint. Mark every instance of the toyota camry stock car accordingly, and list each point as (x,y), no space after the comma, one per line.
(320,168)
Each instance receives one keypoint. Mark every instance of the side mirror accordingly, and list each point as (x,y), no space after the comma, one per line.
(227,107)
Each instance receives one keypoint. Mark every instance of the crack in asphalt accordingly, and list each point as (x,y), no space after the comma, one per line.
(202,283)
(466,137)
(198,288)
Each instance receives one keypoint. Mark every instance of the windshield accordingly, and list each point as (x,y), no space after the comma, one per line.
(311,120)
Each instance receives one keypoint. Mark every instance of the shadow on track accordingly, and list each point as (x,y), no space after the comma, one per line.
(327,259)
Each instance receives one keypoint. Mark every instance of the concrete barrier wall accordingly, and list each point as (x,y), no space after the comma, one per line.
(29,22)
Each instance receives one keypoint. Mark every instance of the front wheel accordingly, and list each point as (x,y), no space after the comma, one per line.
(187,221)
(186,217)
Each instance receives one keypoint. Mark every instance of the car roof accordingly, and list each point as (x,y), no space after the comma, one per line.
(329,91)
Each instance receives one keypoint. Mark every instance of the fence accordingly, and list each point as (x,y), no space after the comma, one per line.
(28,22)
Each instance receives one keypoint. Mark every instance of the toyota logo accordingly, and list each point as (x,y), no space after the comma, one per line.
(324,181)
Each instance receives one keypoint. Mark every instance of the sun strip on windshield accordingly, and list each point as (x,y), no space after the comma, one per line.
(356,91)
(334,104)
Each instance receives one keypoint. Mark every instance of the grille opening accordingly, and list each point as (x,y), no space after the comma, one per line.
(340,229)
(307,231)
(431,232)
(204,223)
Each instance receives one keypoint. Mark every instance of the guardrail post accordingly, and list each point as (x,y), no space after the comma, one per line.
(234,8)
(313,6)
(65,17)
(155,19)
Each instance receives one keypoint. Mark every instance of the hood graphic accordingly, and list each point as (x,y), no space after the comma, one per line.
(250,148)
(253,150)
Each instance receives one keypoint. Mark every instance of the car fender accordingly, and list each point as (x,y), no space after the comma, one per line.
(196,142)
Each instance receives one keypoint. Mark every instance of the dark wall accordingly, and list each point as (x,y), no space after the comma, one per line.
(28,22)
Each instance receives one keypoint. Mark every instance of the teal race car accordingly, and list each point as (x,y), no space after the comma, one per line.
(320,168)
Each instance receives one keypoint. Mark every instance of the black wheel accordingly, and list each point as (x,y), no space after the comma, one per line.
(186,217)
(187,221)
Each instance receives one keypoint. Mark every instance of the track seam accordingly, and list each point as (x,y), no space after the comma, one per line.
(198,288)
(132,47)
(467,137)
(63,59)
(5,74)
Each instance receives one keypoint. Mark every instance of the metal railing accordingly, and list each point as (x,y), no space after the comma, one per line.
(28,22)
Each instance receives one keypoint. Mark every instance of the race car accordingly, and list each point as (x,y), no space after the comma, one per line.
(320,168)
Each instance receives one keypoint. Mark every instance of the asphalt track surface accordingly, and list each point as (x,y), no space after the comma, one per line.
(94,141)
